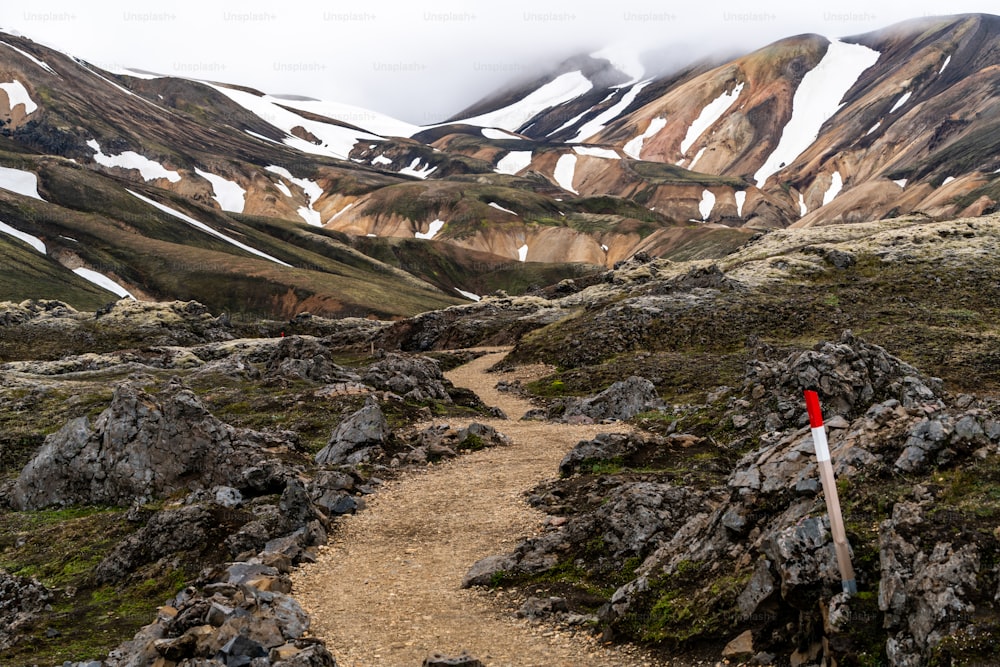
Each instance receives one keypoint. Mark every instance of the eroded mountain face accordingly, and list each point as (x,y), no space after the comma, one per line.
(171,188)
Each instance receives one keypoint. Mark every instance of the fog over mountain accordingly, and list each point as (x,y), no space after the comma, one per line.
(424,61)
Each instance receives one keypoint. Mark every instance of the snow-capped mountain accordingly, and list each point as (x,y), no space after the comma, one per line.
(591,162)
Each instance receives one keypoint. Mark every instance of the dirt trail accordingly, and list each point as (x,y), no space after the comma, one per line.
(385,591)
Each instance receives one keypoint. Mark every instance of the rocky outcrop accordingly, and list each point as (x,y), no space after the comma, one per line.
(142,447)
(305,358)
(358,438)
(20,600)
(415,378)
(929,584)
(243,616)
(619,402)
(753,550)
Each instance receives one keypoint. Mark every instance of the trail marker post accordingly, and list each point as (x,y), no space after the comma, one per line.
(840,545)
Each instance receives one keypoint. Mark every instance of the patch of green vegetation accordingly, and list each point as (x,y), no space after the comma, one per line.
(61,548)
(472,443)
(692,603)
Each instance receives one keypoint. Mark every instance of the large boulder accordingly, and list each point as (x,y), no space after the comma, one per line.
(305,358)
(415,378)
(141,447)
(357,438)
(622,400)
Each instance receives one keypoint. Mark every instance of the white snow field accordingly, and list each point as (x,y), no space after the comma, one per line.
(18,94)
(945,64)
(336,141)
(634,147)
(149,169)
(20,181)
(229,194)
(513,162)
(366,119)
(522,253)
(817,99)
(501,208)
(741,198)
(836,185)
(416,170)
(901,101)
(310,188)
(493,133)
(706,204)
(469,295)
(709,115)
(205,228)
(561,89)
(599,122)
(33,241)
(594,151)
(103,281)
(432,230)
(564,172)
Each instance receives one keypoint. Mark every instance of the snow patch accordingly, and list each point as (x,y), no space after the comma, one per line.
(381,159)
(18,94)
(205,228)
(33,241)
(803,209)
(311,189)
(564,172)
(741,198)
(836,185)
(33,59)
(432,231)
(513,162)
(469,295)
(493,133)
(816,100)
(706,205)
(598,123)
(22,182)
(709,115)
(561,89)
(948,180)
(229,194)
(522,253)
(103,281)
(150,170)
(604,247)
(901,182)
(901,101)
(335,140)
(943,66)
(373,121)
(874,127)
(501,208)
(415,170)
(634,147)
(593,151)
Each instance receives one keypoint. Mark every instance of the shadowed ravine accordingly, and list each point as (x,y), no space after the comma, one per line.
(386,591)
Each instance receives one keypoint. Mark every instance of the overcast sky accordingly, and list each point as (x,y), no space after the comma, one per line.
(424,61)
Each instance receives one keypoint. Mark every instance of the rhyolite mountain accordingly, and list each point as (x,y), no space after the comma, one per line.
(167,188)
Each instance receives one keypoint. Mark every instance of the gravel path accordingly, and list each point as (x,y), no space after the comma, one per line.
(385,591)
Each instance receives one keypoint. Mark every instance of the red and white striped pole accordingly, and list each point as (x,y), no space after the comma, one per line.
(840,545)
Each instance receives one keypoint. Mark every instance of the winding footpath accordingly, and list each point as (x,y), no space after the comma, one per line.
(386,591)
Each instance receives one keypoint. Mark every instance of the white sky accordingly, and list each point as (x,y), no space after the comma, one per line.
(424,61)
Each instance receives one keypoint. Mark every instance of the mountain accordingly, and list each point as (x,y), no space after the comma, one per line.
(173,188)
